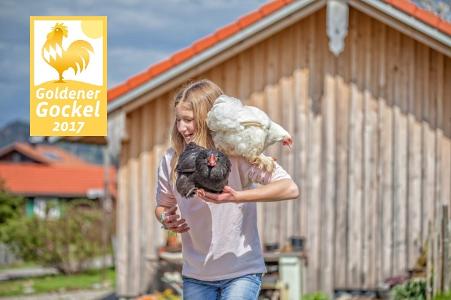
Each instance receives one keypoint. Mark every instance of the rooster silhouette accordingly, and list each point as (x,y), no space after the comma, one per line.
(75,57)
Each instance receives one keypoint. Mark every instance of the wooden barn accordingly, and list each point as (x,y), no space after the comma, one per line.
(364,86)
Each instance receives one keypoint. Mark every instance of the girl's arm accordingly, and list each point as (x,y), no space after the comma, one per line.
(282,189)
(166,208)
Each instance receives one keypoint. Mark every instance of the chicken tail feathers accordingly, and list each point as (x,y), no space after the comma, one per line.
(78,55)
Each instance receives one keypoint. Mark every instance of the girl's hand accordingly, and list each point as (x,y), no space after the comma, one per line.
(228,195)
(173,222)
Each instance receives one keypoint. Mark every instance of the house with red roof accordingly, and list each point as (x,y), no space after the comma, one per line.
(46,174)
(364,88)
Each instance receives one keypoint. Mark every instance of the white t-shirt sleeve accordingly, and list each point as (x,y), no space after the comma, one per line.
(164,194)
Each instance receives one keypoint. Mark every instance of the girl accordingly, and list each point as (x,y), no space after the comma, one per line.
(221,247)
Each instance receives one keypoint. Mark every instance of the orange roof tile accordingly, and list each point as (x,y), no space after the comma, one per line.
(182,55)
(117,91)
(271,7)
(227,31)
(59,181)
(243,22)
(160,67)
(138,79)
(204,43)
(444,26)
(249,19)
(405,6)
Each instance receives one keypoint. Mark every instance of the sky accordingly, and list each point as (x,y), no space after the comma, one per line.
(140,33)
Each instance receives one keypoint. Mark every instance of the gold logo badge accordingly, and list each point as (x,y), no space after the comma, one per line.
(68,90)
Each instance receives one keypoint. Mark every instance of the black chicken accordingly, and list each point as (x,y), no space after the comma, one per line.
(201,168)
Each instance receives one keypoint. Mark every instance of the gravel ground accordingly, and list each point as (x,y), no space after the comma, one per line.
(9,274)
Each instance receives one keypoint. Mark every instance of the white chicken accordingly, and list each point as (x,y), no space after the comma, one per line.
(246,131)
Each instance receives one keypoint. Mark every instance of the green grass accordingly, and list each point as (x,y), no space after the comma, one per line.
(445,296)
(57,283)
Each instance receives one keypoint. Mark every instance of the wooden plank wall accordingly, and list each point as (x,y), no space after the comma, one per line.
(372,154)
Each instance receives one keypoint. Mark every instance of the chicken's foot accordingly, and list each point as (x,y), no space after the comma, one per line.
(265,163)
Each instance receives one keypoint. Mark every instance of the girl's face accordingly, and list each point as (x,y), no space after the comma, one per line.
(185,121)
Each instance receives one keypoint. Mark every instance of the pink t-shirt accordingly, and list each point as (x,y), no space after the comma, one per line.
(223,240)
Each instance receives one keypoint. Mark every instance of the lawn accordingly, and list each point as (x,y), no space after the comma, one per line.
(58,283)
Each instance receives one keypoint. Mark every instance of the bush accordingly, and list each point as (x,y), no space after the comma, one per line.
(67,243)
(414,289)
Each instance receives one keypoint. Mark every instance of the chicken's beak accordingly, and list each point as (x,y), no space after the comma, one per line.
(287,141)
(211,160)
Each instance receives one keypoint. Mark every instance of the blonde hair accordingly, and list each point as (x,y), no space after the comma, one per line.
(199,96)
